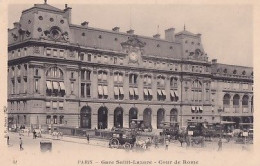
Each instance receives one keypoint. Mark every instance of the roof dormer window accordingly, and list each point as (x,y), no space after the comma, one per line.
(51,19)
(62,21)
(40,18)
(235,72)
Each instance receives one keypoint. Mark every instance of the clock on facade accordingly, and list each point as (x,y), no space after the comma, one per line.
(133,57)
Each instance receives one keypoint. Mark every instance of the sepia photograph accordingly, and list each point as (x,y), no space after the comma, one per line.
(112,83)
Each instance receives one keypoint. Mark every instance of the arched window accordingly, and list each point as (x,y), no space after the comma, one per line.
(226,99)
(245,100)
(173,82)
(54,72)
(236,100)
(133,78)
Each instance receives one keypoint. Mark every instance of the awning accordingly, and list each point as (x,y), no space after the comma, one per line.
(159,91)
(48,104)
(200,108)
(172,93)
(54,104)
(61,104)
(150,92)
(227,122)
(116,90)
(131,91)
(176,93)
(49,85)
(136,91)
(100,90)
(193,108)
(164,92)
(55,85)
(105,90)
(121,90)
(146,92)
(62,86)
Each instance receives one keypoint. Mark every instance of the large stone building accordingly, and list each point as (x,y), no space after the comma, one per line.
(61,74)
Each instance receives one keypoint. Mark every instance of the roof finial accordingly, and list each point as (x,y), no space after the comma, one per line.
(184,27)
(45,1)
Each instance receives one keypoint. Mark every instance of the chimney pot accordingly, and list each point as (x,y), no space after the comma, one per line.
(169,34)
(116,29)
(214,61)
(156,36)
(17,24)
(85,24)
(131,31)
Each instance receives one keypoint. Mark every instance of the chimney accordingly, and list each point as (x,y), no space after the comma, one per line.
(131,31)
(67,13)
(84,24)
(156,36)
(17,25)
(116,29)
(169,34)
(214,61)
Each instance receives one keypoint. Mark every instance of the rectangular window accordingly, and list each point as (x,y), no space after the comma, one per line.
(25,85)
(54,105)
(88,75)
(54,53)
(82,90)
(25,51)
(48,52)
(83,74)
(36,86)
(115,60)
(81,56)
(88,90)
(13,87)
(19,53)
(89,57)
(61,53)
(121,61)
(71,87)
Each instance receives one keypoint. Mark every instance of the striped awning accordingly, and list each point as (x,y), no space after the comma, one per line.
(49,85)
(159,91)
(116,90)
(150,92)
(201,108)
(105,90)
(55,85)
(62,86)
(136,91)
(100,90)
(131,91)
(193,108)
(172,93)
(176,93)
(146,92)
(163,92)
(121,90)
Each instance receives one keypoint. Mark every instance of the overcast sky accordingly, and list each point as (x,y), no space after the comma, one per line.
(227,30)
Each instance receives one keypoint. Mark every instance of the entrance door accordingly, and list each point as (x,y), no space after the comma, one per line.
(118,118)
(102,118)
(132,114)
(147,118)
(160,118)
(173,117)
(85,117)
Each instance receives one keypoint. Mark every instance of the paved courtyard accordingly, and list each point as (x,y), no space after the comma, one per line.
(75,151)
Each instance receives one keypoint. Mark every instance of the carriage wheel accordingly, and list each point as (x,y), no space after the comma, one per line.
(114,142)
(127,146)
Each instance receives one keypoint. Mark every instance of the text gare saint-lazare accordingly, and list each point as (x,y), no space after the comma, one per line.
(163,162)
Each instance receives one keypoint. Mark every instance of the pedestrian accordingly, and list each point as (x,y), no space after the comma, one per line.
(8,140)
(88,138)
(156,142)
(21,144)
(220,144)
(166,144)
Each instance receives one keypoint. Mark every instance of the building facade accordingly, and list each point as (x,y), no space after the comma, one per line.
(61,74)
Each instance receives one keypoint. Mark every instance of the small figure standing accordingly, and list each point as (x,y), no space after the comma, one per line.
(21,144)
(88,138)
(166,144)
(156,142)
(220,144)
(8,140)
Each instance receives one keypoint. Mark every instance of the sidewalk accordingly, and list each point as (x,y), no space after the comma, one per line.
(80,140)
